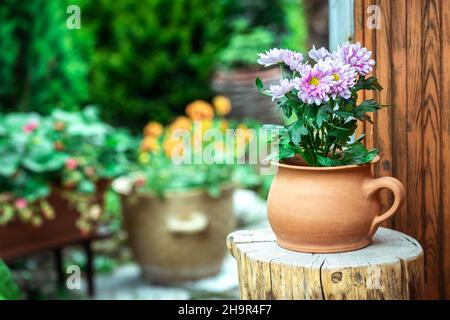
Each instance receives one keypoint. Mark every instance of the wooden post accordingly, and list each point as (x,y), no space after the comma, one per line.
(390,268)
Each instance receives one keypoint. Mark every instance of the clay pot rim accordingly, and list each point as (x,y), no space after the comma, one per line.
(336,168)
(186,193)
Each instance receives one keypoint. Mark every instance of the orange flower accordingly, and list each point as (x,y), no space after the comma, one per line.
(181,122)
(172,143)
(222,105)
(223,125)
(153,129)
(199,110)
(149,143)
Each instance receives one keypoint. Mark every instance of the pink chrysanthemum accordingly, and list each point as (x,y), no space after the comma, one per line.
(314,85)
(294,60)
(319,54)
(278,91)
(344,78)
(357,57)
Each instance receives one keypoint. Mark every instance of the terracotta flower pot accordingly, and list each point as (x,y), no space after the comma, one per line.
(328,209)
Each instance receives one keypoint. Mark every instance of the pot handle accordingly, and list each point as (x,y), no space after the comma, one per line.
(397,189)
(187,222)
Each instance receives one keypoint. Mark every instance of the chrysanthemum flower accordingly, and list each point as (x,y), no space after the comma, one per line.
(278,91)
(315,82)
(291,58)
(319,54)
(344,78)
(271,57)
(356,56)
(294,60)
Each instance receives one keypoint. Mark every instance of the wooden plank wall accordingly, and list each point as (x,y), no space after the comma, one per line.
(412,49)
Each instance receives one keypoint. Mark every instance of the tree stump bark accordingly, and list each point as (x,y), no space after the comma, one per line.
(389,269)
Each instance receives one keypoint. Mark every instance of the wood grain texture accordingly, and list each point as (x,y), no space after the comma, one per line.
(412,53)
(391,268)
(445,142)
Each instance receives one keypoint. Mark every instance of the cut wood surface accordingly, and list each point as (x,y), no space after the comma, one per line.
(390,268)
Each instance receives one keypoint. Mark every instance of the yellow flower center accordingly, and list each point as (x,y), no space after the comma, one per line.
(336,77)
(314,81)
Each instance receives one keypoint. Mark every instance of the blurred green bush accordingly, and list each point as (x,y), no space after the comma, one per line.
(152,57)
(41,60)
(139,60)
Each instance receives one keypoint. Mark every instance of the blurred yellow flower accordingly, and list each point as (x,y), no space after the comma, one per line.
(222,105)
(170,144)
(144,158)
(154,129)
(199,110)
(181,122)
(149,143)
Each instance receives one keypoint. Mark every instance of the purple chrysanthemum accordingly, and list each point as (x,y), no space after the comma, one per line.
(314,85)
(271,57)
(319,54)
(357,57)
(274,56)
(278,91)
(344,78)
(294,60)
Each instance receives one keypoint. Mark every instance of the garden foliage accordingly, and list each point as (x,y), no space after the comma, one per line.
(42,62)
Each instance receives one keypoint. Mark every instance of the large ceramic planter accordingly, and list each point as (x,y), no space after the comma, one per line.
(18,238)
(178,237)
(332,209)
(239,86)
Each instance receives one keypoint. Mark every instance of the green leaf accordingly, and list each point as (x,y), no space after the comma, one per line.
(9,164)
(285,152)
(367,84)
(8,288)
(322,115)
(368,106)
(296,131)
(259,84)
(324,161)
(86,186)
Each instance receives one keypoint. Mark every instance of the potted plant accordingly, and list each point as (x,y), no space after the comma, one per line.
(177,214)
(324,197)
(53,173)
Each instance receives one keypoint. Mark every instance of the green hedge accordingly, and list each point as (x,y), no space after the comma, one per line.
(41,63)
(152,57)
(137,60)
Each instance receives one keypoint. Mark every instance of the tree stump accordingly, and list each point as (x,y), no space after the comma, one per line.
(389,269)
